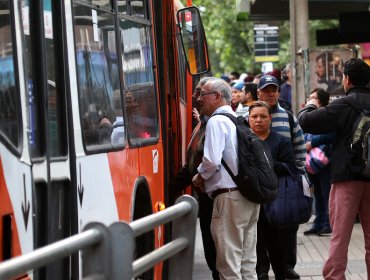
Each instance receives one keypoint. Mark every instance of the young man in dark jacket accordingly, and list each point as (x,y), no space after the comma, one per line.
(350,193)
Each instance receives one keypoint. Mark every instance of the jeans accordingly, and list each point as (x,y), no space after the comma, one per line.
(321,182)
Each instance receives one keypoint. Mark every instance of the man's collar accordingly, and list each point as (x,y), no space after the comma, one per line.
(358,89)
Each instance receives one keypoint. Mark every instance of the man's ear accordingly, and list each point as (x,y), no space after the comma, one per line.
(218,98)
(348,81)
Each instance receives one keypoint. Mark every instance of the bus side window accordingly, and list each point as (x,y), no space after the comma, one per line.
(139,8)
(8,115)
(137,64)
(98,75)
(9,100)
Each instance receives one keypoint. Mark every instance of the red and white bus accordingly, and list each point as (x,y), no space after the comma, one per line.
(95,114)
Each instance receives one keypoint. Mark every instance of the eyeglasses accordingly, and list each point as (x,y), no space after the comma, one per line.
(202,93)
(196,93)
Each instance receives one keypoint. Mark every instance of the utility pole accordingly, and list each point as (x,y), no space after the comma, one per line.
(299,37)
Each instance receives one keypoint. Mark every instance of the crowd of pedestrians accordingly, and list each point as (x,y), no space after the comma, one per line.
(239,240)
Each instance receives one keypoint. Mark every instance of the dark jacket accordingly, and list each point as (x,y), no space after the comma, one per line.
(282,153)
(194,157)
(339,116)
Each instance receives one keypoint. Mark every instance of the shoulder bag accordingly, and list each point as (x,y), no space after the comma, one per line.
(291,206)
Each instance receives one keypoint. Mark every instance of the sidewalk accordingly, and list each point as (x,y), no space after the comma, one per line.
(312,253)
(314,250)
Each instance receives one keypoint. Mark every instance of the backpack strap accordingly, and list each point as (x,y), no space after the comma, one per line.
(230,116)
(235,121)
(229,170)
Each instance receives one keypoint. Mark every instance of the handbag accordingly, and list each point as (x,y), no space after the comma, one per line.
(316,159)
(291,206)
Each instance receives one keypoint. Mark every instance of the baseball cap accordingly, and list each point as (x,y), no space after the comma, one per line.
(225,78)
(238,86)
(267,80)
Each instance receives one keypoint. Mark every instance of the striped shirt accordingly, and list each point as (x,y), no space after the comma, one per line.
(280,124)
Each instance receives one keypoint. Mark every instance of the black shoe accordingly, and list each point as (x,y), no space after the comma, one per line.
(262,276)
(291,274)
(325,231)
(215,275)
(312,231)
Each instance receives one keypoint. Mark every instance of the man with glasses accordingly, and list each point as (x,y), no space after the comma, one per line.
(234,218)
(185,175)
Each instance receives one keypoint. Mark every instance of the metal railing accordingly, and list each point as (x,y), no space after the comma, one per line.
(108,252)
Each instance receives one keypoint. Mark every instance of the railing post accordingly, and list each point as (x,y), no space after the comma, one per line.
(181,265)
(112,258)
(95,259)
(122,242)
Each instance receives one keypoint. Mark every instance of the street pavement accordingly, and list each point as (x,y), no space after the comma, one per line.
(200,268)
(312,253)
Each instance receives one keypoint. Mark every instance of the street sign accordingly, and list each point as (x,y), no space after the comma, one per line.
(266,43)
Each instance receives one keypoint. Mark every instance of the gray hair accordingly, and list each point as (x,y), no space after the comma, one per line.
(219,85)
(204,80)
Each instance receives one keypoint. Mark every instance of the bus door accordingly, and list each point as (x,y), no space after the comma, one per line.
(16,225)
(118,150)
(114,108)
(34,182)
(96,113)
(45,78)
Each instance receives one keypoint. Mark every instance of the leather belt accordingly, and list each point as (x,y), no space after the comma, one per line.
(220,191)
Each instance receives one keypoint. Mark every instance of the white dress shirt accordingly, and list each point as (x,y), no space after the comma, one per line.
(220,142)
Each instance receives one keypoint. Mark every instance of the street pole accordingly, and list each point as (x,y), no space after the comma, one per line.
(299,40)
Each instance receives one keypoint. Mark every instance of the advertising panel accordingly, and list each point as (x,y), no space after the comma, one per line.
(324,69)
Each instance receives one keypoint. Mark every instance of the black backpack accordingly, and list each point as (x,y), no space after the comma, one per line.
(360,140)
(256,179)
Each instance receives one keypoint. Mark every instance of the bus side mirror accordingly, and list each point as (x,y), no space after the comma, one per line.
(193,40)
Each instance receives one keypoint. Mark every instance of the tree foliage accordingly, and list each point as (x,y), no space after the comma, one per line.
(231,42)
